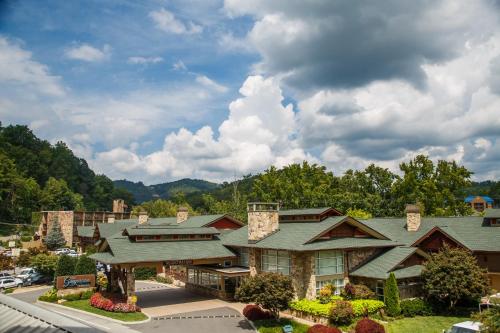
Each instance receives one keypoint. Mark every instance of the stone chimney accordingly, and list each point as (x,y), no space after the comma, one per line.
(263,220)
(143,217)
(111,218)
(118,206)
(412,217)
(182,214)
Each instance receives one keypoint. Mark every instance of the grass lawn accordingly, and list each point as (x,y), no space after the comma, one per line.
(273,326)
(431,324)
(84,305)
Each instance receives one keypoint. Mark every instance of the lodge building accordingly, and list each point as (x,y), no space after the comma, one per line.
(212,253)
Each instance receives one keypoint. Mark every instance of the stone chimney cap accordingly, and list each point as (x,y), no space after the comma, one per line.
(142,212)
(411,208)
(182,209)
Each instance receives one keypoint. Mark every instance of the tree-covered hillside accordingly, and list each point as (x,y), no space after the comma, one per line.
(36,175)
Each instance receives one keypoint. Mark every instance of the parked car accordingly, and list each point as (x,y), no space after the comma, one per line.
(72,253)
(467,327)
(38,278)
(4,275)
(10,283)
(62,251)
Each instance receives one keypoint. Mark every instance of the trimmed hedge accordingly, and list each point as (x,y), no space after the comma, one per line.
(145,273)
(65,265)
(415,307)
(341,313)
(360,307)
(366,325)
(49,296)
(254,312)
(318,328)
(85,265)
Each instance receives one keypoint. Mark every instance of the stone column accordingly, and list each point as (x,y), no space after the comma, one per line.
(130,282)
(254,261)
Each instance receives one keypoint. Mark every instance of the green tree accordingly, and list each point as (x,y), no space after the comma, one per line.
(490,319)
(391,296)
(272,291)
(55,237)
(161,208)
(452,274)
(5,262)
(65,266)
(359,214)
(44,263)
(85,265)
(56,195)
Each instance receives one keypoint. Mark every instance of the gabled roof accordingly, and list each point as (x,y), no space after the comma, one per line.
(123,250)
(295,237)
(139,230)
(370,231)
(469,230)
(85,231)
(192,221)
(108,229)
(492,213)
(381,266)
(445,230)
(307,211)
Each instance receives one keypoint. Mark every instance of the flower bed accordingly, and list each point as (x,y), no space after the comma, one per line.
(103,303)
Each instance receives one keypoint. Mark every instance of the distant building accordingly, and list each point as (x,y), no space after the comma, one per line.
(479,202)
(71,220)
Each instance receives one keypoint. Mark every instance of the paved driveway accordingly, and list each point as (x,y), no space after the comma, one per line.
(176,310)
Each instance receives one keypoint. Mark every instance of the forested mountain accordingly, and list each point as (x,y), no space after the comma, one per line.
(36,175)
(168,190)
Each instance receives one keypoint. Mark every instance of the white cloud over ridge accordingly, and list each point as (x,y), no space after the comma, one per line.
(144,60)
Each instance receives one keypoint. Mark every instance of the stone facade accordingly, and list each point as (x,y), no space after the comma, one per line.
(118,206)
(254,263)
(412,217)
(358,257)
(65,219)
(261,224)
(182,214)
(143,218)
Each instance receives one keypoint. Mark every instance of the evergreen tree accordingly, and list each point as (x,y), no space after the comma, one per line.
(65,266)
(85,265)
(55,237)
(391,296)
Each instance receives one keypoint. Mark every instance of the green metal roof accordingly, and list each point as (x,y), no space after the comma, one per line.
(408,272)
(306,211)
(85,231)
(108,229)
(191,222)
(139,230)
(492,212)
(295,237)
(468,230)
(125,251)
(381,266)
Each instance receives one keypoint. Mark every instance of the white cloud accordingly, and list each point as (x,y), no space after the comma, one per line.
(202,79)
(258,132)
(179,66)
(18,69)
(167,22)
(144,60)
(86,52)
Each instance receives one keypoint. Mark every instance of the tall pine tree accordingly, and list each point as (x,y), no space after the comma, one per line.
(55,237)
(391,296)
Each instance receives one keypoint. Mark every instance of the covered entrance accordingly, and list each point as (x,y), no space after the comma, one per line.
(212,280)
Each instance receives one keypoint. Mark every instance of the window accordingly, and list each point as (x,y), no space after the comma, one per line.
(329,262)
(192,276)
(243,256)
(379,290)
(276,261)
(338,283)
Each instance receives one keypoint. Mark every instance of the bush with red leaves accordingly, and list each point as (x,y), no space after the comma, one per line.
(318,328)
(103,303)
(254,312)
(366,325)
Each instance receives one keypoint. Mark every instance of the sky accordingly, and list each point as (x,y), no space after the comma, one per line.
(161,90)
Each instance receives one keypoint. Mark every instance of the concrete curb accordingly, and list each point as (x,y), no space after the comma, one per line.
(251,324)
(99,316)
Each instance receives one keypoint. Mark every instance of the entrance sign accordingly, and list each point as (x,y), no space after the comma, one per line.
(75,281)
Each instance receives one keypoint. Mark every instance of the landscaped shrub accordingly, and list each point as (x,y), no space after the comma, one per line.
(145,273)
(103,303)
(65,266)
(357,291)
(318,328)
(72,297)
(85,265)
(102,281)
(254,312)
(366,325)
(341,312)
(49,296)
(391,296)
(86,294)
(363,307)
(326,293)
(164,279)
(312,307)
(415,307)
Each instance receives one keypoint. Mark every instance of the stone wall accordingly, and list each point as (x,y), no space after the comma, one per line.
(182,215)
(412,221)
(261,224)
(254,261)
(358,257)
